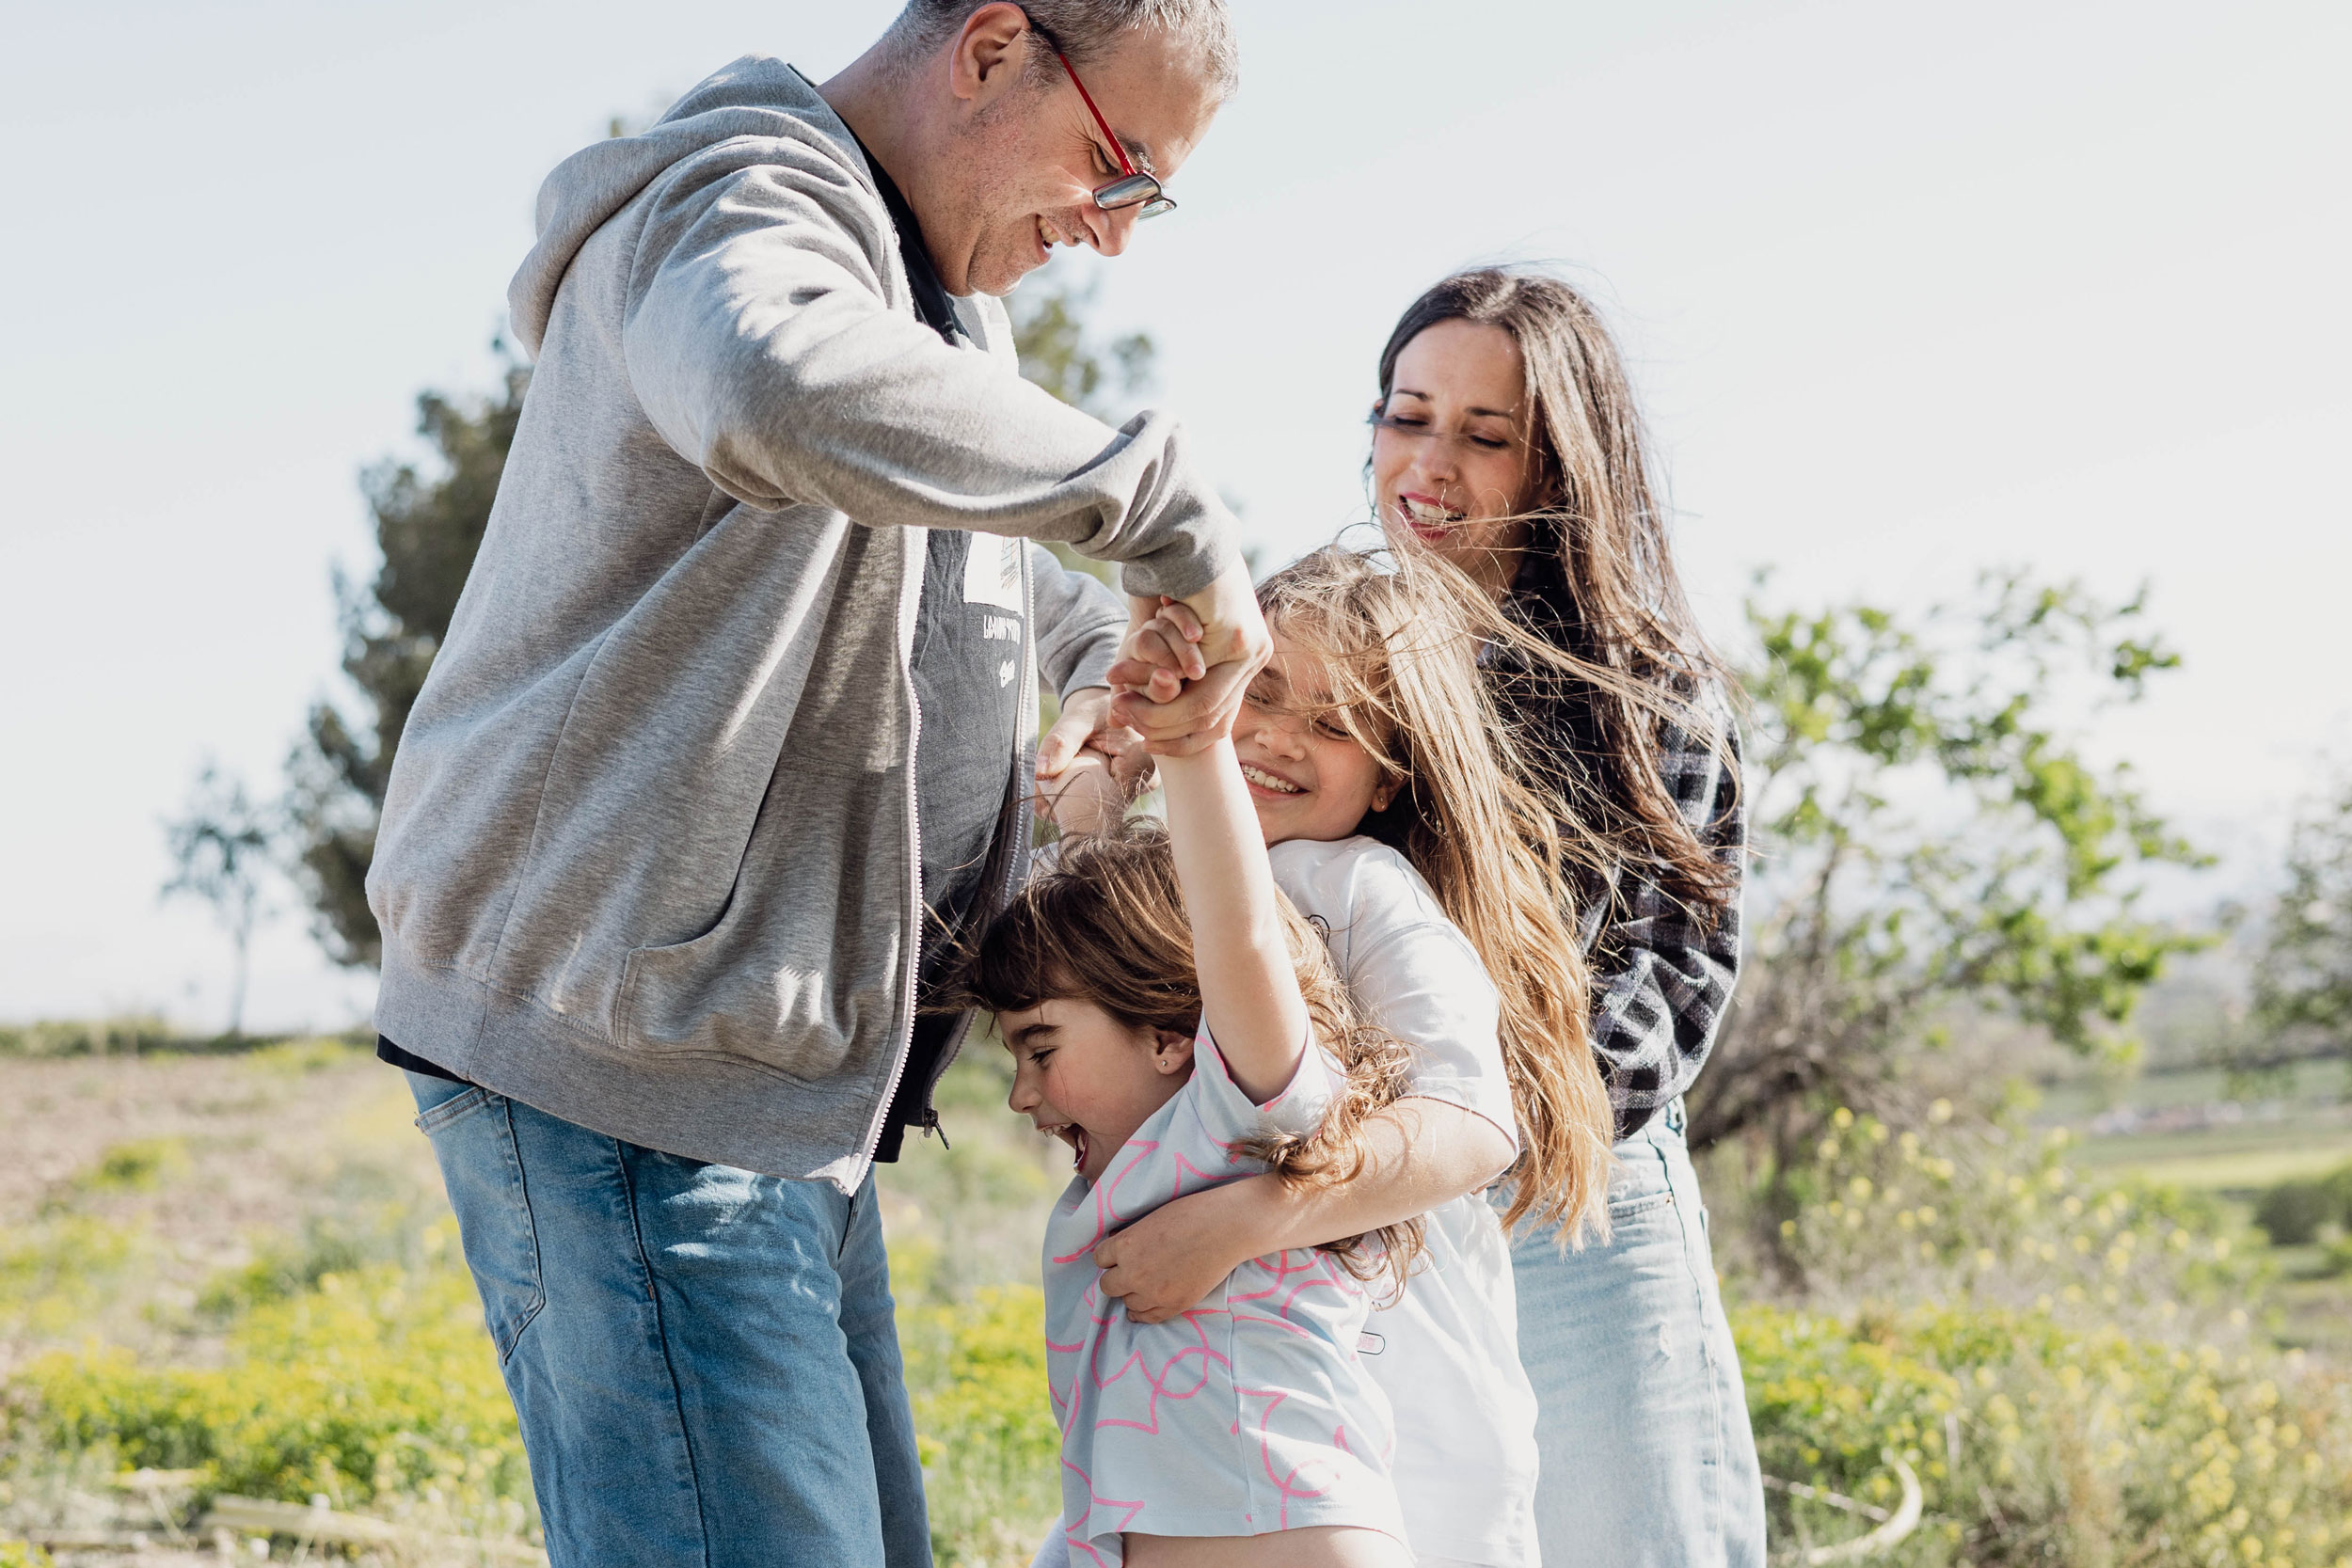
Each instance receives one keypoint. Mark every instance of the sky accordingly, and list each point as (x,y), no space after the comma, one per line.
(1909,291)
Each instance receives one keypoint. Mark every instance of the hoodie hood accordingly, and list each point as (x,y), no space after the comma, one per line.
(757,96)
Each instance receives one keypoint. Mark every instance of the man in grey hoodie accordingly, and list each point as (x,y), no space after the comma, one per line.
(730,731)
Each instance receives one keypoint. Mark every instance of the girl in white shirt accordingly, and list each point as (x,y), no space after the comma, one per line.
(1407,824)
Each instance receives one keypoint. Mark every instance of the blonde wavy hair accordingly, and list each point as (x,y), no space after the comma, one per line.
(1105,923)
(1399,637)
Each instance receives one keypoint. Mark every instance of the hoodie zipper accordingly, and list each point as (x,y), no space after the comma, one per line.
(917,539)
(1017,863)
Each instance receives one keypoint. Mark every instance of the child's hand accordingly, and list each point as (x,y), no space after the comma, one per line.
(1084,796)
(1229,644)
(1167,1263)
(1161,655)
(1088,769)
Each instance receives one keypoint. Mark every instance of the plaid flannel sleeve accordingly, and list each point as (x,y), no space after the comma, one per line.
(1663,975)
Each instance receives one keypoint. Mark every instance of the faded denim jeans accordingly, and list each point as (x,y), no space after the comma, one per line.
(705,1360)
(1648,1460)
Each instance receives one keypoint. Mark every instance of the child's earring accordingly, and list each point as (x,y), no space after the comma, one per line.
(1172,1052)
(1384,794)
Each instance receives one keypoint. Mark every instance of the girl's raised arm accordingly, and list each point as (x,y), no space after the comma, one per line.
(1249,994)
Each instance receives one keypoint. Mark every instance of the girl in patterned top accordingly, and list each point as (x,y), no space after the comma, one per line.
(1174,1022)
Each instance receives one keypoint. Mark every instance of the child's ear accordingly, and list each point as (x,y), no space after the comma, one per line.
(1385,792)
(1171,1052)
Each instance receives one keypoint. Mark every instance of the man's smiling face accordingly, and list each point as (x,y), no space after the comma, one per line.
(1082,1076)
(1025,163)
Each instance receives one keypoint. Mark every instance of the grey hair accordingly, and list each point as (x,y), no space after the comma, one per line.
(1088,30)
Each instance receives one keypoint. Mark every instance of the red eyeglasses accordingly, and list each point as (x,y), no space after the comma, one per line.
(1133,188)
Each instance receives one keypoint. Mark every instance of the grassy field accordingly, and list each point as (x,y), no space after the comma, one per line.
(171,1224)
(2302,1129)
(236,1274)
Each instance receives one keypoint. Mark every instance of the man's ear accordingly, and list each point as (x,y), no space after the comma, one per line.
(990,53)
(1171,1050)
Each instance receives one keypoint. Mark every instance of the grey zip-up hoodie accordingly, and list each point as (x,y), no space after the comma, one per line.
(650,856)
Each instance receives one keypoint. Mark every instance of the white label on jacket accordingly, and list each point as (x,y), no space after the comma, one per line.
(991,572)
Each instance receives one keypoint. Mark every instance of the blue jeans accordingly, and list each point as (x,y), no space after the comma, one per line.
(1648,1460)
(705,1360)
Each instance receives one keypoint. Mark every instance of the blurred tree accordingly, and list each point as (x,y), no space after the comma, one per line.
(1058,352)
(428,526)
(1930,835)
(220,851)
(2303,978)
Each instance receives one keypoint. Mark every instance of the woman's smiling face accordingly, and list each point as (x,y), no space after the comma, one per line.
(1308,777)
(1452,458)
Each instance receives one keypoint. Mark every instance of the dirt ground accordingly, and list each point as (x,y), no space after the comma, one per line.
(198,1161)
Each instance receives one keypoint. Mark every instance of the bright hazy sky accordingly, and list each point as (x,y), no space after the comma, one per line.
(1910,290)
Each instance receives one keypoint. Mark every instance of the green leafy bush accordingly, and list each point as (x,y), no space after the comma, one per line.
(984,1425)
(23,1553)
(2293,1213)
(140,1165)
(2038,1443)
(56,1273)
(371,1386)
(1993,1214)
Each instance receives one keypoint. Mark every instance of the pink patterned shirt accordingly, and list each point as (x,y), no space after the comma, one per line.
(1251,1413)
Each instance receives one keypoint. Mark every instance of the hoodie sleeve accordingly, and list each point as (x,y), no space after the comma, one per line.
(760,339)
(1079,625)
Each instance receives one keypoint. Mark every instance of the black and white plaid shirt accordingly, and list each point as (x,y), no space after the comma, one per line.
(1662,971)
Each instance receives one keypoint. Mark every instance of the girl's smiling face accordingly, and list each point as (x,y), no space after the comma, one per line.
(1086,1078)
(1308,776)
(1453,461)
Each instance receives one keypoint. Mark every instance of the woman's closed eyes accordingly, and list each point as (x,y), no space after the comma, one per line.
(1413,426)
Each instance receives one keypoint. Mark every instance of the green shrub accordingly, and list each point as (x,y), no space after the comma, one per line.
(373,1385)
(297,1058)
(984,1423)
(58,1271)
(283,1268)
(1993,1214)
(2036,1443)
(23,1554)
(140,1165)
(2293,1214)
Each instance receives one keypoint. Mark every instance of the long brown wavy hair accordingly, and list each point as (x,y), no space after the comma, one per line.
(1398,638)
(1606,592)
(1105,923)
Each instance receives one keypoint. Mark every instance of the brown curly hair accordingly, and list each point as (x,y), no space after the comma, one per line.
(1105,923)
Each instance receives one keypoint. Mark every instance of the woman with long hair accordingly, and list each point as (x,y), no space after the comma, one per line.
(1506,441)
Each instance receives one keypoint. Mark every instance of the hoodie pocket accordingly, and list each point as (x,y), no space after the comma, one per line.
(802,971)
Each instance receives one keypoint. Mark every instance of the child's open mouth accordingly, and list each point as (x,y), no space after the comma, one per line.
(1075,1136)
